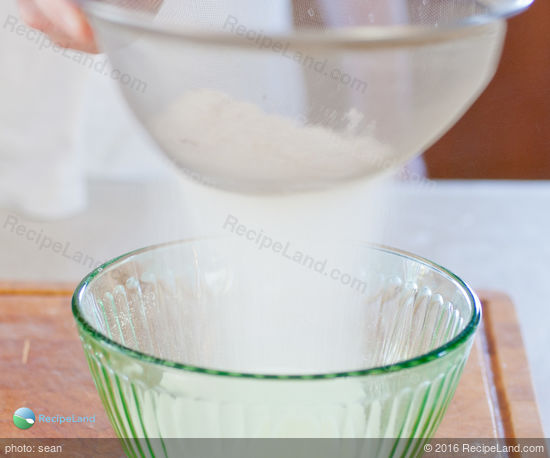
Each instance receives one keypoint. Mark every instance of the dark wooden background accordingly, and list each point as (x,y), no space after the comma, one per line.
(506,134)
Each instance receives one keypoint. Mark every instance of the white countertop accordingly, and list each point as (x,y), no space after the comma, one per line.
(495,235)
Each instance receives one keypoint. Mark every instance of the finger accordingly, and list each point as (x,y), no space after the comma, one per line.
(64,41)
(33,16)
(68,19)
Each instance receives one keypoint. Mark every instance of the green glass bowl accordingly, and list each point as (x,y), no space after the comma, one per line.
(213,338)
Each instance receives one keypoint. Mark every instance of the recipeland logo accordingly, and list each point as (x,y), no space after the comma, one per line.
(24,418)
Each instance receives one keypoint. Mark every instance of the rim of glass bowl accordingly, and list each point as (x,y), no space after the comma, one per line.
(437,353)
(364,36)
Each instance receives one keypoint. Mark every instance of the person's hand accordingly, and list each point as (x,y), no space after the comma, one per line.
(61,20)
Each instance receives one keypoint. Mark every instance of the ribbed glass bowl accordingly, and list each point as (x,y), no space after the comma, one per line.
(213,338)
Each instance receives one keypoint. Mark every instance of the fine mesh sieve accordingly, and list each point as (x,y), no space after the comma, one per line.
(285,96)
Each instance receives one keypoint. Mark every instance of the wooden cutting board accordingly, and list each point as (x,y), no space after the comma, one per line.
(43,368)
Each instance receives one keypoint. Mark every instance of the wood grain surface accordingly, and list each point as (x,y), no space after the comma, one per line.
(43,368)
(495,396)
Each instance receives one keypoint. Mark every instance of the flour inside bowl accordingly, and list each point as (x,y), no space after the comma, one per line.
(237,146)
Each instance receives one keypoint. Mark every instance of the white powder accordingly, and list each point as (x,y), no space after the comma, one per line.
(237,146)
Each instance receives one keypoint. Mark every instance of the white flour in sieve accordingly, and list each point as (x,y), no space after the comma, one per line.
(233,141)
(238,146)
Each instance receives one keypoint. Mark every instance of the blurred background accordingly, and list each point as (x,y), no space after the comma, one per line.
(506,134)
